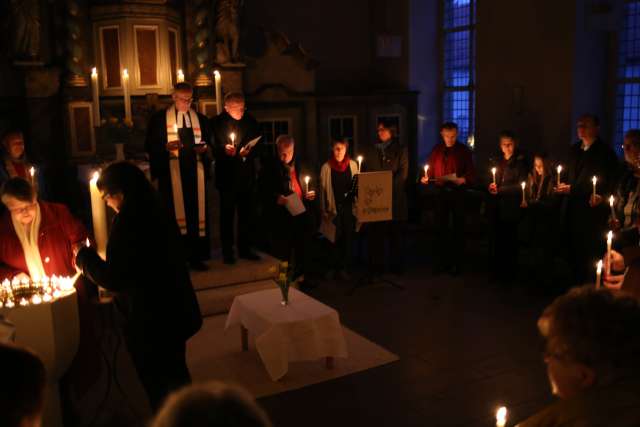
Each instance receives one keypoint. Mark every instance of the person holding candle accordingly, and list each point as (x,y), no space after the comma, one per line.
(15,162)
(337,205)
(451,171)
(591,354)
(626,207)
(290,235)
(505,208)
(388,154)
(586,216)
(177,143)
(148,275)
(236,175)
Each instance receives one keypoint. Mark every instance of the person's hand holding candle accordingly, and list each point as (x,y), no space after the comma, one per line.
(425,178)
(493,188)
(595,200)
(244,151)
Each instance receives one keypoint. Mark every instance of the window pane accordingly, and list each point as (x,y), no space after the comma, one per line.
(628,90)
(457,59)
(459,108)
(147,56)
(457,13)
(111,53)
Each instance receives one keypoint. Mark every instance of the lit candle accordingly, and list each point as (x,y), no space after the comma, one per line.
(559,170)
(471,142)
(359,159)
(232,137)
(493,172)
(95,96)
(613,213)
(598,274)
(180,75)
(306,183)
(523,185)
(127,96)
(23,302)
(47,297)
(9,304)
(609,241)
(501,417)
(426,172)
(87,243)
(99,214)
(32,176)
(218,85)
(594,180)
(36,299)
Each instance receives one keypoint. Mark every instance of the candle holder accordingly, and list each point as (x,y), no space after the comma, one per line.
(34,292)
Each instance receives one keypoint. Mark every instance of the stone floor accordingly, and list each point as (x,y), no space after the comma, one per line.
(465,346)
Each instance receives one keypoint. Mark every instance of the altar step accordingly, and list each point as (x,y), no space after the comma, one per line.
(216,288)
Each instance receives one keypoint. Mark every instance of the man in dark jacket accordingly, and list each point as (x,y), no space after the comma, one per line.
(236,151)
(586,220)
(451,172)
(177,143)
(290,235)
(388,154)
(146,271)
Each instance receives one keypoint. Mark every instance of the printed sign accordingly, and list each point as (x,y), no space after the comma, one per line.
(375,195)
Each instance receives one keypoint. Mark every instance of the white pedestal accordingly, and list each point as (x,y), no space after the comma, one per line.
(52,332)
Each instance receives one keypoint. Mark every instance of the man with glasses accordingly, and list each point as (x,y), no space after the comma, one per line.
(236,151)
(592,347)
(177,143)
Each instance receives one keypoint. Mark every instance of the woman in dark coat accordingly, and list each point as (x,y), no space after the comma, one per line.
(504,203)
(148,274)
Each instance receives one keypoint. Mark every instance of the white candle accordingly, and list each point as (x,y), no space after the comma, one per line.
(32,176)
(127,96)
(523,185)
(87,243)
(180,75)
(306,183)
(232,137)
(99,214)
(559,170)
(493,172)
(218,85)
(594,180)
(609,241)
(426,172)
(501,417)
(359,159)
(613,213)
(598,274)
(95,96)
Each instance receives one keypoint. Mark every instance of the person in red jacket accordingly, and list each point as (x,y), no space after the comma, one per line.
(36,238)
(450,172)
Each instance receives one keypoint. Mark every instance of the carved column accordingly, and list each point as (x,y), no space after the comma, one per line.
(74,45)
(199,41)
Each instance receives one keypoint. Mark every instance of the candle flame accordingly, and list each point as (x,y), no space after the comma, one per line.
(87,243)
(94,72)
(609,236)
(307,179)
(493,170)
(594,180)
(125,73)
(32,171)
(360,159)
(611,199)
(36,299)
(47,260)
(216,74)
(232,135)
(523,184)
(95,177)
(599,267)
(559,169)
(501,416)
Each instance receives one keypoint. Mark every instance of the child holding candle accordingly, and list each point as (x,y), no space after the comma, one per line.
(504,208)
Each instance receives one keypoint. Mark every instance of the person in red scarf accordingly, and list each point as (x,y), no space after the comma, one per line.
(290,234)
(337,207)
(450,172)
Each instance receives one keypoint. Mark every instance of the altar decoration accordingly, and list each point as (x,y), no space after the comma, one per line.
(24,292)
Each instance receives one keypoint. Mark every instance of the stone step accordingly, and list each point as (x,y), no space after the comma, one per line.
(218,300)
(222,275)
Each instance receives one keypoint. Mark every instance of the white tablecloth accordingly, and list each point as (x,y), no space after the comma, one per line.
(305,329)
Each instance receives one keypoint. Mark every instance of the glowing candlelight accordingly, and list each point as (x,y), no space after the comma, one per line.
(32,176)
(126,94)
(9,304)
(594,180)
(232,137)
(559,170)
(493,172)
(426,172)
(598,274)
(360,159)
(24,302)
(180,75)
(609,241)
(47,297)
(87,243)
(99,214)
(306,183)
(95,96)
(218,86)
(471,142)
(36,299)
(523,185)
(613,213)
(501,417)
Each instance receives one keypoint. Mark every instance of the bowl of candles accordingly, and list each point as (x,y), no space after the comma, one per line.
(23,292)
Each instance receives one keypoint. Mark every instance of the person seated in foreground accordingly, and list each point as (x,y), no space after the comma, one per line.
(22,388)
(208,405)
(592,347)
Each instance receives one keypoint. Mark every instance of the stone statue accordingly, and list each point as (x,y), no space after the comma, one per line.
(227,30)
(25,15)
